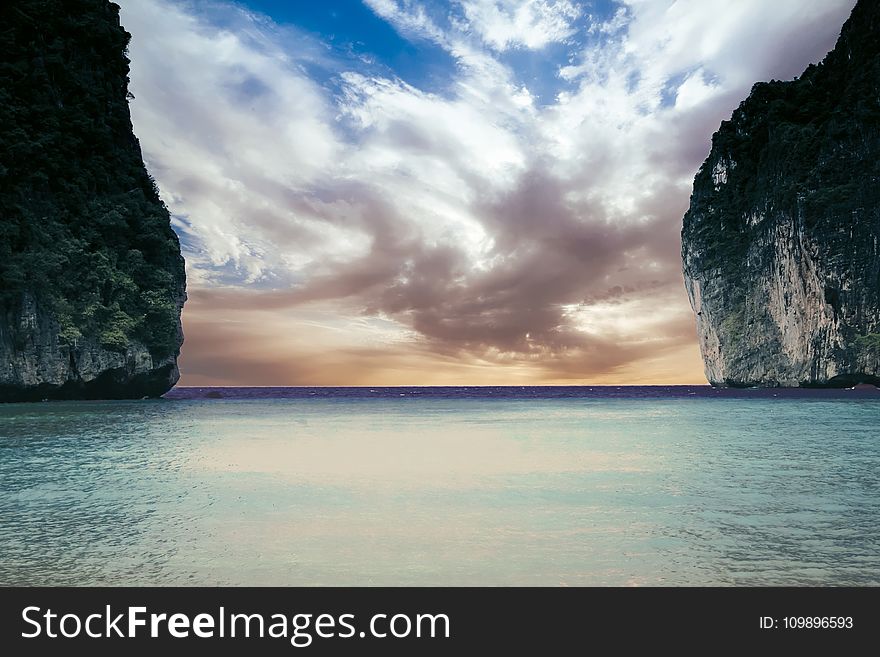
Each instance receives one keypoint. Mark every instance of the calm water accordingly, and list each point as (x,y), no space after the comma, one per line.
(561,486)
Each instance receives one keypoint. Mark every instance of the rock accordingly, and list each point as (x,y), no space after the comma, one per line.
(35,365)
(92,276)
(781,243)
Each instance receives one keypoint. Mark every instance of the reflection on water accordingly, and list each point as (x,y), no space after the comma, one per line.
(441,491)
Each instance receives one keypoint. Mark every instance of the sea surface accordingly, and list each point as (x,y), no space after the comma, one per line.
(562,486)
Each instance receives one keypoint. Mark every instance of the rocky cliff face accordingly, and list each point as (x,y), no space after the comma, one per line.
(37,363)
(91,277)
(781,244)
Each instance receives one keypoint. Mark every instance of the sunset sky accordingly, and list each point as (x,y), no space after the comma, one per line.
(424,193)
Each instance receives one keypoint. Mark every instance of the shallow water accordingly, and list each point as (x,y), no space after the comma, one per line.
(623,486)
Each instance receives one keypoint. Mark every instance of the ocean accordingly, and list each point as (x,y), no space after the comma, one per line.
(547,486)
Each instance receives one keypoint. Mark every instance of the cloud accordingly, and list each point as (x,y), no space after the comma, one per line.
(466,233)
(532,24)
(231,127)
(409,17)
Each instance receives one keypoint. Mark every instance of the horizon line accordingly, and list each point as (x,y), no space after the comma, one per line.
(463,385)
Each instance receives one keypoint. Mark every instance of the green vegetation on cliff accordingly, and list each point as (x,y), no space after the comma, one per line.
(869,344)
(82,227)
(804,148)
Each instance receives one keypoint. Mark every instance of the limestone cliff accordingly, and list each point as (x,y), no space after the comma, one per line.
(91,276)
(781,243)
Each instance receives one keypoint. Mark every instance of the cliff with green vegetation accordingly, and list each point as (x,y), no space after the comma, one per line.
(91,277)
(781,243)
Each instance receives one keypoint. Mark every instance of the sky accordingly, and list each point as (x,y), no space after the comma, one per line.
(472,192)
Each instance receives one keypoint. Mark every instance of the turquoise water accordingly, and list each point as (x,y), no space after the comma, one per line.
(629,490)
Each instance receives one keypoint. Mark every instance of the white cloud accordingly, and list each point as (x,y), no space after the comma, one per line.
(231,127)
(531,24)
(694,91)
(409,17)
